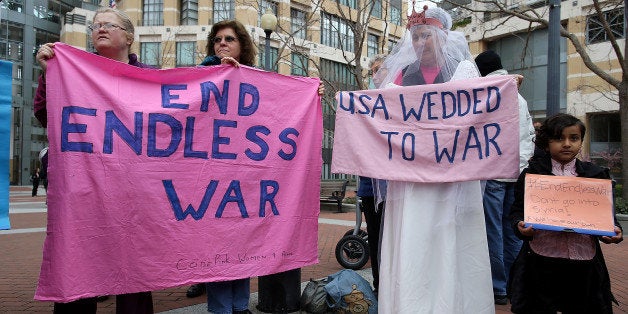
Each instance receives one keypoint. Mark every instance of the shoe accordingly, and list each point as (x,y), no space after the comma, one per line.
(501,300)
(195,290)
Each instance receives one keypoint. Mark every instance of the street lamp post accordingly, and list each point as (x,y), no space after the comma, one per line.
(269,23)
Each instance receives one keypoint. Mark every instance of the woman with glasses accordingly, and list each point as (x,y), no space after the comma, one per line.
(112,35)
(227,43)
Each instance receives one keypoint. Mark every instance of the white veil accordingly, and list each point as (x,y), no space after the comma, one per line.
(447,49)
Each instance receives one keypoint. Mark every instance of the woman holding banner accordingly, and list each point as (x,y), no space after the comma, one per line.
(434,249)
(112,34)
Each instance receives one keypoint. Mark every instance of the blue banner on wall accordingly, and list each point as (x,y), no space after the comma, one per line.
(5,140)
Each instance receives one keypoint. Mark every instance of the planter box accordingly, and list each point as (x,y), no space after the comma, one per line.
(623,220)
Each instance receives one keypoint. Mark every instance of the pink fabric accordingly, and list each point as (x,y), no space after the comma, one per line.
(113,226)
(373,139)
(429,73)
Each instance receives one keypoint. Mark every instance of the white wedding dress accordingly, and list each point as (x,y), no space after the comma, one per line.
(434,252)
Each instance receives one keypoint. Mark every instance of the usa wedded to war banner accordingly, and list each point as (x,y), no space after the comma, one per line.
(160,178)
(450,132)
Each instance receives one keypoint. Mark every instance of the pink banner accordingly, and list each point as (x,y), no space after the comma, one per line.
(456,131)
(160,178)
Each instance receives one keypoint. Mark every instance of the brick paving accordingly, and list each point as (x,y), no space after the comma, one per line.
(21,254)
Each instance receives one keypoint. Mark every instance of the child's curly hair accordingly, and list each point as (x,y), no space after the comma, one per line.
(552,128)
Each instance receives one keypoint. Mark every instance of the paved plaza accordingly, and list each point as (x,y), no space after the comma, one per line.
(21,254)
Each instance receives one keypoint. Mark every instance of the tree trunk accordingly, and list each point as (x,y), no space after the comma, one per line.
(623,116)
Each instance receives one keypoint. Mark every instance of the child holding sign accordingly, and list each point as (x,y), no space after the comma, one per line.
(555,270)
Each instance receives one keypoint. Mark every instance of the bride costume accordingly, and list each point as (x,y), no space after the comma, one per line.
(434,252)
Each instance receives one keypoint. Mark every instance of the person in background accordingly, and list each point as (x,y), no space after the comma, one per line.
(557,270)
(503,245)
(35,180)
(112,34)
(372,215)
(229,43)
(434,251)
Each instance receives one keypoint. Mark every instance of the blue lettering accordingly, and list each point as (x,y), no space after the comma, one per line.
(364,105)
(218,140)
(380,105)
(403,146)
(460,102)
(283,137)
(430,104)
(67,128)
(112,123)
(248,89)
(188,150)
(472,135)
(497,101)
(390,134)
(351,107)
(166,96)
(439,155)
(208,88)
(175,127)
(234,187)
(453,106)
(268,197)
(179,214)
(251,135)
(492,139)
(476,100)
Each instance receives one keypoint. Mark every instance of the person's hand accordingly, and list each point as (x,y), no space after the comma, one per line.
(230,60)
(45,53)
(321,88)
(618,237)
(519,79)
(526,231)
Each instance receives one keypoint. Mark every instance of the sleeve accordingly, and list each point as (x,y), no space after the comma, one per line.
(526,134)
(516,211)
(39,103)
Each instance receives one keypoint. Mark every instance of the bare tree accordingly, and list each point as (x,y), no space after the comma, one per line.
(536,17)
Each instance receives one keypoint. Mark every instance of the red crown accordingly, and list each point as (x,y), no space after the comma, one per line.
(420,19)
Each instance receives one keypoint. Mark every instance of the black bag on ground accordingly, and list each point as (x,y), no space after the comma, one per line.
(314,296)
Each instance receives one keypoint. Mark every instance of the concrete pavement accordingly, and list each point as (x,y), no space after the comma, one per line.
(21,254)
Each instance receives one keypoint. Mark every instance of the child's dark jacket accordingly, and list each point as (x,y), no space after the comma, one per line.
(524,275)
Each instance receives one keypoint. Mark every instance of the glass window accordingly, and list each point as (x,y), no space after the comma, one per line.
(395,11)
(298,25)
(372,45)
(274,56)
(189,12)
(391,44)
(340,76)
(13,5)
(377,9)
(595,27)
(150,53)
(337,32)
(153,13)
(223,10)
(350,3)
(299,64)
(605,148)
(186,53)
(526,54)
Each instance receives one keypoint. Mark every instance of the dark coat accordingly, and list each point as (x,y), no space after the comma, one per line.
(556,284)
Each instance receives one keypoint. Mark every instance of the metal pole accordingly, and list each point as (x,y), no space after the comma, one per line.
(553,59)
(267,49)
